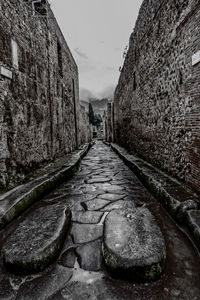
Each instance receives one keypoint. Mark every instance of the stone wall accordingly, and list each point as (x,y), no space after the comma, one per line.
(84,128)
(109,123)
(157,106)
(39,92)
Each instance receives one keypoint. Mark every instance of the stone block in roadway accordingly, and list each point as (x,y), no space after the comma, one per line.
(37,240)
(133,245)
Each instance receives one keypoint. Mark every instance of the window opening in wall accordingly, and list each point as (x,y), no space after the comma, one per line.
(37,6)
(60,67)
(14,47)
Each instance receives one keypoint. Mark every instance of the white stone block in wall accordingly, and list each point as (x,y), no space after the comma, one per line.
(196,58)
(5,72)
(14,54)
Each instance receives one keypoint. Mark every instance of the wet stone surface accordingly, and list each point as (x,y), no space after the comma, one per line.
(37,240)
(79,272)
(87,217)
(133,245)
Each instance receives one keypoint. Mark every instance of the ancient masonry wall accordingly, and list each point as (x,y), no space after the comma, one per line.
(39,92)
(109,123)
(85,131)
(157,100)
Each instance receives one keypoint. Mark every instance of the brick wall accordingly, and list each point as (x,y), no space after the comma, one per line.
(39,93)
(157,106)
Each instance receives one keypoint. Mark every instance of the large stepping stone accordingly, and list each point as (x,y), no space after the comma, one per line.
(133,245)
(37,240)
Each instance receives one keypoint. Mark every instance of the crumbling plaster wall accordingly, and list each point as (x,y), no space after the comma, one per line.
(157,100)
(39,92)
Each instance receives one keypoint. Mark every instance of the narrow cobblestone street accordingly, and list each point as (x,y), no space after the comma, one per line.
(103,183)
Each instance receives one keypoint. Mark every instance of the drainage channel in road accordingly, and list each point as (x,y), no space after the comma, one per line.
(102,184)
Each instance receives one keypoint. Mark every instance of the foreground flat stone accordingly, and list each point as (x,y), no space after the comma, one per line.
(133,245)
(37,240)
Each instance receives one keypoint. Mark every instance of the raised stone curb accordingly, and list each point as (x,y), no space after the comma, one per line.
(193,221)
(133,245)
(19,199)
(37,240)
(176,198)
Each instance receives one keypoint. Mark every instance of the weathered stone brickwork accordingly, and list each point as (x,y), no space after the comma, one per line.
(84,128)
(39,102)
(109,123)
(157,100)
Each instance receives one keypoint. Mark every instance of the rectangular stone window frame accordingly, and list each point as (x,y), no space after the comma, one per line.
(15,58)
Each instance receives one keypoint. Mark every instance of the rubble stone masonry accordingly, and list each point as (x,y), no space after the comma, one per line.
(39,92)
(157,100)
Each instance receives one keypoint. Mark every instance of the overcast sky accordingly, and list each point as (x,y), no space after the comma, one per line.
(97,31)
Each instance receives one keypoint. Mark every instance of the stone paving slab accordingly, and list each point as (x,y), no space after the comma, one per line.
(37,240)
(87,217)
(96,204)
(84,233)
(90,256)
(112,197)
(120,204)
(17,200)
(133,245)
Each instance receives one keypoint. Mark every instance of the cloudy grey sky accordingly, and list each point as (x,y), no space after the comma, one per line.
(97,31)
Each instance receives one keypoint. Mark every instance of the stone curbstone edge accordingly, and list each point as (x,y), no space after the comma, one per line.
(178,209)
(40,187)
